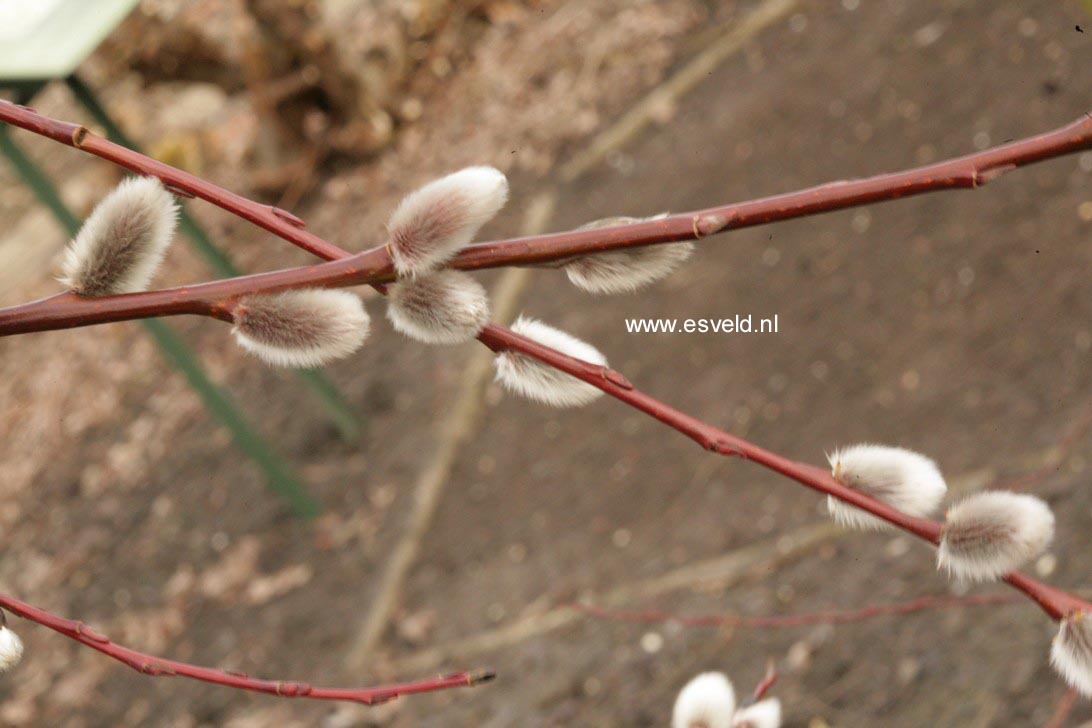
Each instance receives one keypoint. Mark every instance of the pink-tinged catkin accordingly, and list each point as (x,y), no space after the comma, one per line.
(622,271)
(528,377)
(987,535)
(301,328)
(123,241)
(448,307)
(435,222)
(903,479)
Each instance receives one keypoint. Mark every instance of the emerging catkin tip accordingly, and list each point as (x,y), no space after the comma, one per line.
(903,479)
(707,701)
(448,307)
(529,377)
(987,535)
(433,223)
(301,328)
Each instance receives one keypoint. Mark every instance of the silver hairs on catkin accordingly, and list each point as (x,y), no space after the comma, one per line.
(301,328)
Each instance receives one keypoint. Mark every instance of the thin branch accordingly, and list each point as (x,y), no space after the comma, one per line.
(375,265)
(1055,602)
(158,666)
(766,683)
(1063,709)
(843,616)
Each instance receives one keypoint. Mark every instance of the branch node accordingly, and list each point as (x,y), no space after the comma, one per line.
(292,689)
(288,217)
(91,633)
(179,192)
(79,134)
(156,669)
(704,225)
(616,378)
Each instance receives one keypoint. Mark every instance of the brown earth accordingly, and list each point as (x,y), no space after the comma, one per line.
(958,324)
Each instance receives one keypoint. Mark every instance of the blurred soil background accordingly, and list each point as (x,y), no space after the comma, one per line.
(958,324)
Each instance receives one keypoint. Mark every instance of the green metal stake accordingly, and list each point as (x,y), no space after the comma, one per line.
(330,399)
(277,471)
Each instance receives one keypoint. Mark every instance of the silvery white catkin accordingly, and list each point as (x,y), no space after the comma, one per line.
(1071,652)
(763,714)
(987,535)
(435,222)
(447,307)
(301,328)
(11,649)
(903,479)
(627,269)
(531,378)
(123,240)
(707,701)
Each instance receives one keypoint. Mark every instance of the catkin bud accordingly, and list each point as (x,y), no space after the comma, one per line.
(301,328)
(627,269)
(1071,652)
(447,307)
(987,535)
(903,479)
(707,701)
(11,649)
(763,714)
(531,378)
(123,240)
(433,223)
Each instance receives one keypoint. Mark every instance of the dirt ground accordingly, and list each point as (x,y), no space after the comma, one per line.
(958,324)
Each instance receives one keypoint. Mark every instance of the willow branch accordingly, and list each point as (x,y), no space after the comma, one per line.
(1057,603)
(375,265)
(158,666)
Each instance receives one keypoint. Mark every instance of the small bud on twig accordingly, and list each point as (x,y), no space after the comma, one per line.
(11,649)
(301,328)
(123,240)
(1071,652)
(903,479)
(433,223)
(621,271)
(763,714)
(987,535)
(531,378)
(707,701)
(447,307)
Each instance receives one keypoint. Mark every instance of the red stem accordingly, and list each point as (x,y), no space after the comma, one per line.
(158,666)
(374,266)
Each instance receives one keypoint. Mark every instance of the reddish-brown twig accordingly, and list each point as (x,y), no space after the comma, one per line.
(211,298)
(843,616)
(1062,711)
(375,266)
(158,666)
(766,682)
(1055,602)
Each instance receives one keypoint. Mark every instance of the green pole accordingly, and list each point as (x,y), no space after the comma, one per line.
(329,398)
(277,471)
